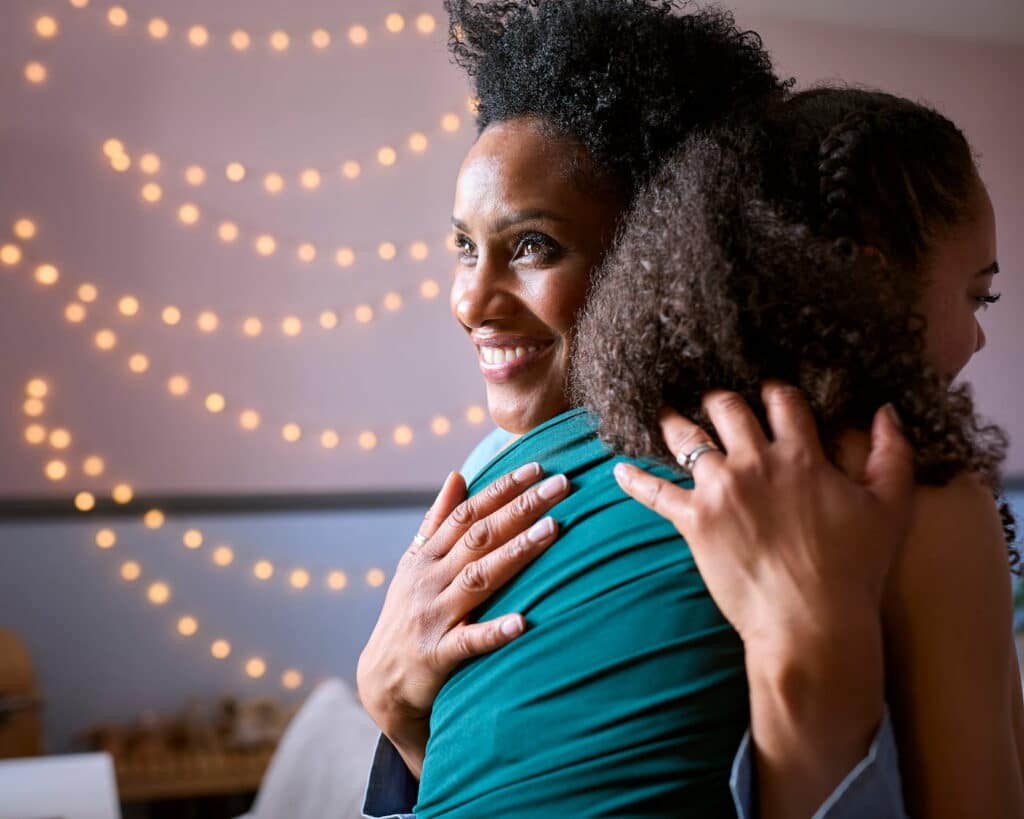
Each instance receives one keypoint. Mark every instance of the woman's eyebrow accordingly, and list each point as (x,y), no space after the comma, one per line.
(991,270)
(505,222)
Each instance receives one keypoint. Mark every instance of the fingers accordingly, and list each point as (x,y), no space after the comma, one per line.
(453,491)
(464,515)
(478,580)
(889,473)
(735,423)
(465,642)
(790,417)
(682,436)
(661,496)
(500,527)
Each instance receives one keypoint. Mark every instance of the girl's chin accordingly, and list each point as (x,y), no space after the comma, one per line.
(519,412)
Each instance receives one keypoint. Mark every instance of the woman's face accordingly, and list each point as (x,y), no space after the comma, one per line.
(958,284)
(528,238)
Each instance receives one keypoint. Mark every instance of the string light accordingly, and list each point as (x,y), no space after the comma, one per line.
(138,363)
(188,626)
(60,438)
(25,229)
(329,439)
(476,414)
(240,40)
(128,306)
(350,169)
(159,593)
(358,35)
(298,579)
(88,293)
(279,41)
(75,312)
(56,470)
(450,123)
(321,38)
(37,388)
(375,578)
(425,23)
(85,501)
(117,16)
(33,407)
(122,493)
(263,570)
(35,72)
(195,175)
(149,164)
(106,538)
(10,254)
(131,571)
(403,435)
(158,28)
(440,426)
(273,182)
(291,679)
(215,402)
(93,466)
(177,385)
(198,36)
(255,667)
(291,432)
(394,23)
(105,340)
(235,171)
(35,434)
(153,519)
(47,274)
(387,156)
(223,556)
(46,27)
(337,580)
(220,649)
(192,539)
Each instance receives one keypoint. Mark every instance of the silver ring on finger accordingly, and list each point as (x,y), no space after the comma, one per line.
(688,460)
(419,539)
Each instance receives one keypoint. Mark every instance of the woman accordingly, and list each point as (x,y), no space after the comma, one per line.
(563,89)
(844,242)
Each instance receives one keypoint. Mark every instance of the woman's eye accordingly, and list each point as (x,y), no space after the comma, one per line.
(536,247)
(982,302)
(464,246)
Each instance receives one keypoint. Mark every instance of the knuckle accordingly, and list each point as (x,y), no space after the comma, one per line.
(683,440)
(654,495)
(515,550)
(524,504)
(473,578)
(464,513)
(499,487)
(479,535)
(464,643)
(724,401)
(782,395)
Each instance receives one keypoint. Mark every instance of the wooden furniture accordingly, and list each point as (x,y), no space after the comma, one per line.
(20,703)
(192,774)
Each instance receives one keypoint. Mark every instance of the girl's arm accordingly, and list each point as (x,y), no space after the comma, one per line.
(953,685)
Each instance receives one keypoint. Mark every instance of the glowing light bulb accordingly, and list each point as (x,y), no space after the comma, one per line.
(93,466)
(121,162)
(328,319)
(37,388)
(263,570)
(159,593)
(364,314)
(35,434)
(240,41)
(60,438)
(88,293)
(117,16)
(291,432)
(279,41)
(10,254)
(425,23)
(266,245)
(113,147)
(195,175)
(291,326)
(75,312)
(106,538)
(122,493)
(198,36)
(158,28)
(273,182)
(33,407)
(387,156)
(394,23)
(188,214)
(215,402)
(367,440)
(252,326)
(79,4)
(291,679)
(220,649)
(450,123)
(223,556)
(375,578)
(152,192)
(255,668)
(358,35)
(249,420)
(417,142)
(207,321)
(46,27)
(170,315)
(419,251)
(105,340)
(47,274)
(440,426)
(85,501)
(392,302)
(25,229)
(387,251)
(188,626)
(329,439)
(345,257)
(298,579)
(192,539)
(476,414)
(235,171)
(149,164)
(153,519)
(321,38)
(56,470)
(351,169)
(130,571)
(306,252)
(403,435)
(35,72)
(227,231)
(138,363)
(128,306)
(310,179)
(336,580)
(177,385)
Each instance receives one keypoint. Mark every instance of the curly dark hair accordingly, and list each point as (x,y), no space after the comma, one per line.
(754,254)
(625,79)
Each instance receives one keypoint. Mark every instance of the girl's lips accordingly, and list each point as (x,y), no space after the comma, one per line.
(503,359)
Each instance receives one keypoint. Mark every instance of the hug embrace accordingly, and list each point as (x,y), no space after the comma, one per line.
(737,546)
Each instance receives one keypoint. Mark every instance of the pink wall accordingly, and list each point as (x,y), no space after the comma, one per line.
(284,112)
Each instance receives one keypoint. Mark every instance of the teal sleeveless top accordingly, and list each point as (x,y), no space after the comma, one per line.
(625,697)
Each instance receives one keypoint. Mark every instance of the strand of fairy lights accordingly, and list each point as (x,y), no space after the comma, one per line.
(179,385)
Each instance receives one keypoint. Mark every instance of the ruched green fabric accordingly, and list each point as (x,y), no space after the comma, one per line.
(625,697)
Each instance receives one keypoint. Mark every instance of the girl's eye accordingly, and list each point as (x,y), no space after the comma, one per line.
(536,246)
(463,245)
(984,301)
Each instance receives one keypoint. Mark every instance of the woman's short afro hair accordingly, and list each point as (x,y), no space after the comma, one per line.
(628,79)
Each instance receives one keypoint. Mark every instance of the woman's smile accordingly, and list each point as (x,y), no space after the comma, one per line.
(503,357)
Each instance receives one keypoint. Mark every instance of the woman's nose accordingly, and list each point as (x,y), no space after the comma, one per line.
(480,295)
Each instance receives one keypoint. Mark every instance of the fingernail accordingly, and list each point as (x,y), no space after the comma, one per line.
(541,530)
(552,487)
(622,475)
(894,416)
(511,627)
(526,472)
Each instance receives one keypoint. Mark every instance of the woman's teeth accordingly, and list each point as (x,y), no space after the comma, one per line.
(503,355)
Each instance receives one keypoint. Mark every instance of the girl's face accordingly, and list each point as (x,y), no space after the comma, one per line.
(529,238)
(958,284)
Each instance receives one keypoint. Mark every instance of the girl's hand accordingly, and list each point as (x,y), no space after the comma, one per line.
(465,551)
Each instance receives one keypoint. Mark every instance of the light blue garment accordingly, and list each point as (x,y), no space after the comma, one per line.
(483,453)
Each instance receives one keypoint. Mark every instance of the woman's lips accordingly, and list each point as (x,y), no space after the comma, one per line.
(502,360)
